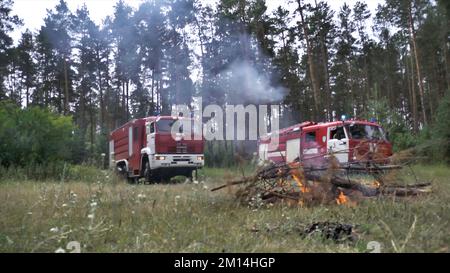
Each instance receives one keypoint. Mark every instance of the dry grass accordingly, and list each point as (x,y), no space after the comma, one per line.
(112,216)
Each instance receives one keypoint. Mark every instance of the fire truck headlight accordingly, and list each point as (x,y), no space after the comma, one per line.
(200,157)
(160,157)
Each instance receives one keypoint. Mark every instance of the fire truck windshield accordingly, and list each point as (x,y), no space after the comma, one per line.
(165,126)
(368,132)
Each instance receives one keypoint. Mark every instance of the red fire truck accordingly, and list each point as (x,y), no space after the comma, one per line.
(351,141)
(146,148)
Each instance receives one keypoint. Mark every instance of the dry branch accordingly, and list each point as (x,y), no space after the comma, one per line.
(269,183)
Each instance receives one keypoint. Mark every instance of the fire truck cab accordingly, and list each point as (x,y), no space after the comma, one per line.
(314,143)
(145,148)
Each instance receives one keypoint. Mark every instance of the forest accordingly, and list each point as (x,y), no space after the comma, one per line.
(316,63)
(66,85)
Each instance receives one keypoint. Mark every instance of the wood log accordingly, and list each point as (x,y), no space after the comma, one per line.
(236,182)
(345,183)
(276,171)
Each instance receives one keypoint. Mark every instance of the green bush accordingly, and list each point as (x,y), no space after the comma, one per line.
(83,173)
(219,154)
(432,142)
(393,123)
(33,136)
(57,171)
(440,134)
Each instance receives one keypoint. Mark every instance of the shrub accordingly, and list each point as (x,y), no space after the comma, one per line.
(441,130)
(432,142)
(33,136)
(57,171)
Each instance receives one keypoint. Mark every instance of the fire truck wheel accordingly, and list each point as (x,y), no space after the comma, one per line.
(132,180)
(195,174)
(192,175)
(147,172)
(121,172)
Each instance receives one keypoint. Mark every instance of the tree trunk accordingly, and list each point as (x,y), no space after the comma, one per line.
(367,85)
(61,100)
(102,102)
(66,88)
(127,99)
(123,101)
(446,68)
(28,95)
(45,95)
(430,99)
(92,119)
(327,78)
(416,56)
(100,88)
(324,51)
(414,98)
(153,93)
(312,69)
(158,96)
(119,104)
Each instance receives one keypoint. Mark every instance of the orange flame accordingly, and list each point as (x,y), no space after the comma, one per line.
(341,199)
(376,184)
(298,178)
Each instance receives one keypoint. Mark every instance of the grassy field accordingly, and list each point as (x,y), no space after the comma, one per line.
(112,216)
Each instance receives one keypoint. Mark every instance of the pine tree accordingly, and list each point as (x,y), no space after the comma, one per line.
(7,24)
(56,48)
(405,15)
(123,34)
(323,33)
(27,65)
(84,31)
(303,25)
(344,82)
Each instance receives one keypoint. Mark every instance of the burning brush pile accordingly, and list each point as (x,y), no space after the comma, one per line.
(296,184)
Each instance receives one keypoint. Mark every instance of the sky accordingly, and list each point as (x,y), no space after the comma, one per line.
(33,12)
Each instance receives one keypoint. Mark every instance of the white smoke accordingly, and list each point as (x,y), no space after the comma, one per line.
(244,84)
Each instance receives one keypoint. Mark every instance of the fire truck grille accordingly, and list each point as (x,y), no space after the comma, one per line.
(181,159)
(181,148)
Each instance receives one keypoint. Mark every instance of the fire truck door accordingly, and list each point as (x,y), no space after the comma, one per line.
(292,149)
(338,143)
(151,137)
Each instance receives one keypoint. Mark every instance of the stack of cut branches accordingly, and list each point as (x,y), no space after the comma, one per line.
(291,181)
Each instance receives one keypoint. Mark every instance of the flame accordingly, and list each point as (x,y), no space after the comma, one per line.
(298,178)
(341,199)
(376,184)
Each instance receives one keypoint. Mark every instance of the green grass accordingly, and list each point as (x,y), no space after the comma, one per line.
(112,216)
